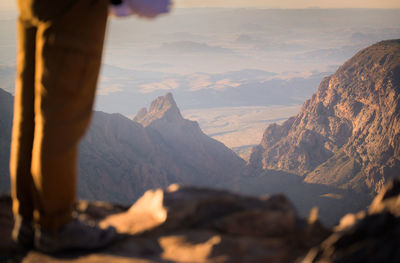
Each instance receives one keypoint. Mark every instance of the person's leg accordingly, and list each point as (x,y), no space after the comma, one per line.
(22,135)
(68,58)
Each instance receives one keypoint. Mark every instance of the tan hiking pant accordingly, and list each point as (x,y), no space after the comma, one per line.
(59,55)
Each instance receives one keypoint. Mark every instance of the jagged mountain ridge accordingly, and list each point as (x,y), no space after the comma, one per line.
(187,142)
(348,133)
(162,108)
(126,157)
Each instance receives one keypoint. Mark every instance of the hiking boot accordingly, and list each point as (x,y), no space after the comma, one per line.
(75,235)
(23,233)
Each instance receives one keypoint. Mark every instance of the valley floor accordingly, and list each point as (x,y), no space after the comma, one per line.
(240,128)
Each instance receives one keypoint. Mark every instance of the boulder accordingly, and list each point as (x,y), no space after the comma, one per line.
(190,224)
(366,237)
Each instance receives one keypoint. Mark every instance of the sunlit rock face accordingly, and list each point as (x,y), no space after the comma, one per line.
(122,158)
(162,108)
(348,133)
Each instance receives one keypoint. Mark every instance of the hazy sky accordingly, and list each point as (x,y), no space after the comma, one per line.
(291,3)
(10,4)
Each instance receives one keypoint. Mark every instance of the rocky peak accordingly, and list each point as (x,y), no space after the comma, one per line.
(161,108)
(140,115)
(348,133)
(186,141)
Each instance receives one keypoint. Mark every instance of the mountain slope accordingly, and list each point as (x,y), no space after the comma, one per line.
(188,144)
(6,113)
(348,133)
(121,159)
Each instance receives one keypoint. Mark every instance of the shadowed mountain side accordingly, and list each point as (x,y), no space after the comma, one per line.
(6,114)
(348,134)
(188,144)
(120,159)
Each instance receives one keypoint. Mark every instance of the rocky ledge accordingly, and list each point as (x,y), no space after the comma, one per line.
(188,224)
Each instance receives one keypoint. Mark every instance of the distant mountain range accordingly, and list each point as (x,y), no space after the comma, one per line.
(348,134)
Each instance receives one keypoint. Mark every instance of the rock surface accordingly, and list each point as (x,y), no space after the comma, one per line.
(161,109)
(348,134)
(366,237)
(188,224)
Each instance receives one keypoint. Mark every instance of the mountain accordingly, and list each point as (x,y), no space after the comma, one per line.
(187,144)
(6,113)
(163,109)
(348,134)
(121,158)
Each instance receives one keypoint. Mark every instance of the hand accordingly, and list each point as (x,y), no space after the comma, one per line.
(150,8)
(121,10)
